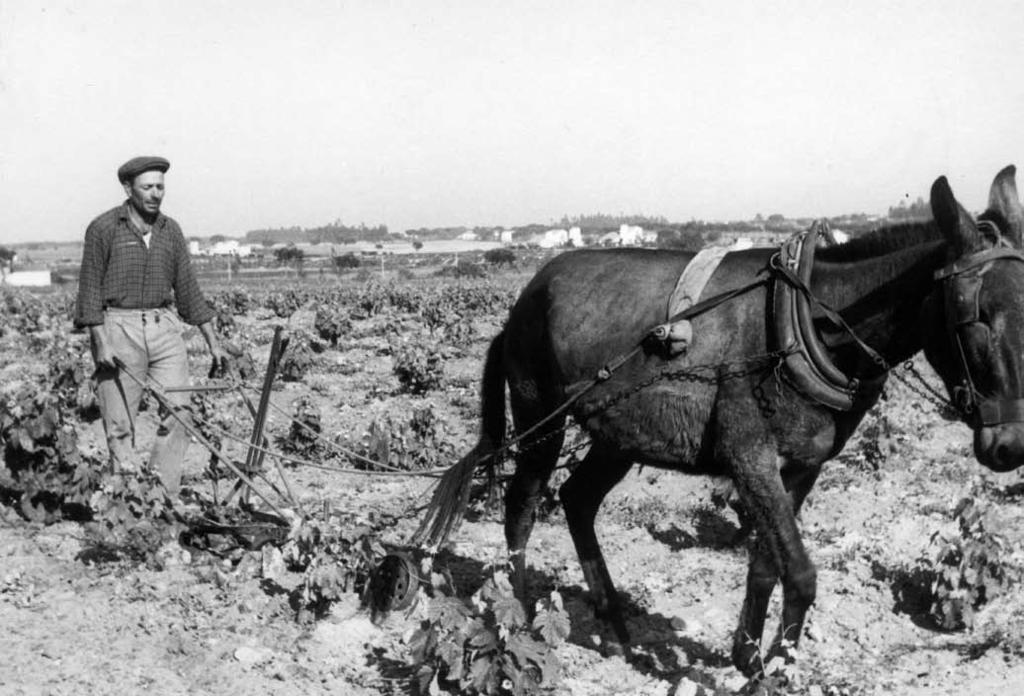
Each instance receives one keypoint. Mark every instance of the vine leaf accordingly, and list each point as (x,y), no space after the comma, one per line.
(482,638)
(451,654)
(553,626)
(508,613)
(448,612)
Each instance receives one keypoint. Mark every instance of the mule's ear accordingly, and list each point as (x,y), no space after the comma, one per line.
(955,224)
(1003,200)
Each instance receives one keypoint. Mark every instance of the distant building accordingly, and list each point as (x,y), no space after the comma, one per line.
(575,237)
(630,235)
(29,279)
(553,239)
(230,247)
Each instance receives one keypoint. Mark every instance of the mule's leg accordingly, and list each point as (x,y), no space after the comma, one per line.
(777,552)
(798,483)
(533,469)
(581,496)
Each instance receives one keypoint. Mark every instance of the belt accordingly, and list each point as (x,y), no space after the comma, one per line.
(137,310)
(153,313)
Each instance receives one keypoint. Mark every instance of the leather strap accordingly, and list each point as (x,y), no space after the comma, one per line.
(820,381)
(962,287)
(695,277)
(996,411)
(968,262)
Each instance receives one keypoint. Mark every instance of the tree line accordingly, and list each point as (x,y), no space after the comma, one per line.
(333,233)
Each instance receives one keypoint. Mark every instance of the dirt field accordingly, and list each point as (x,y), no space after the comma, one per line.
(188,622)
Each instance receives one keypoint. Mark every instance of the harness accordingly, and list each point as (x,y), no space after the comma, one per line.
(808,365)
(695,276)
(961,282)
(811,370)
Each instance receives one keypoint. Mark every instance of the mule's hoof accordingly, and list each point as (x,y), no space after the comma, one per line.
(615,648)
(747,659)
(611,647)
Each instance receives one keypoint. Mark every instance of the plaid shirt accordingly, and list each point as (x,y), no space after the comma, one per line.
(119,270)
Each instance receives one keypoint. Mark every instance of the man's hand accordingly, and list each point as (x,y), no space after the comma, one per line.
(102,353)
(221,365)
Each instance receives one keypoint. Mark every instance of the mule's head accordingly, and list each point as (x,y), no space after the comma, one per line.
(974,328)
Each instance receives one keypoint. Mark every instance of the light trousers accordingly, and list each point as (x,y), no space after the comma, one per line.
(150,344)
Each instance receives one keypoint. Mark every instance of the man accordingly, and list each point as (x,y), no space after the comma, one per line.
(136,271)
(7,257)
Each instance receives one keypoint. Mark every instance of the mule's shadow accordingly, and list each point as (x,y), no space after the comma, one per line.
(911,593)
(658,645)
(711,530)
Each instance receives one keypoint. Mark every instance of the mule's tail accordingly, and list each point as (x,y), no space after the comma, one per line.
(448,503)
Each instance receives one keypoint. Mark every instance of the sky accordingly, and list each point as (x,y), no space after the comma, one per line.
(473,112)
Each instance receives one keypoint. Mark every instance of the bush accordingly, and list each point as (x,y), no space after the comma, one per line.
(336,556)
(420,442)
(43,467)
(488,645)
(288,254)
(304,433)
(688,240)
(462,269)
(349,260)
(331,324)
(419,368)
(284,304)
(969,570)
(297,360)
(500,257)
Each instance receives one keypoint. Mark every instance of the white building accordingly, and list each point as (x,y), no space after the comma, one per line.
(553,239)
(575,237)
(230,247)
(630,235)
(28,279)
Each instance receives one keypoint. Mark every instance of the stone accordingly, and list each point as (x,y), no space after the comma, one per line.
(249,656)
(685,687)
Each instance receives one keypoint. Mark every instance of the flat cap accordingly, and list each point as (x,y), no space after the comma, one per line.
(136,165)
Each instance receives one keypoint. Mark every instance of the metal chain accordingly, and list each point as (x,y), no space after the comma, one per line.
(925,390)
(708,373)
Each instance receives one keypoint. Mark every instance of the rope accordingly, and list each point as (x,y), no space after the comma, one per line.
(307,462)
(319,437)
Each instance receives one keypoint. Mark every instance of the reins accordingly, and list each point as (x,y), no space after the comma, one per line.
(962,280)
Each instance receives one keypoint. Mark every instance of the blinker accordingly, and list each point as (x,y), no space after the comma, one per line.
(962,290)
(964,293)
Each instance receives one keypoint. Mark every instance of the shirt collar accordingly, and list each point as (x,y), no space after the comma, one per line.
(161,219)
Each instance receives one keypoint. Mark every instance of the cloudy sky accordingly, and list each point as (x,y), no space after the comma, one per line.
(468,112)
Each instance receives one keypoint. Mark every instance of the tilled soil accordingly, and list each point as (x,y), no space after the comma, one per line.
(76,623)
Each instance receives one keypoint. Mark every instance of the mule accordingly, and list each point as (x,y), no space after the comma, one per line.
(951,287)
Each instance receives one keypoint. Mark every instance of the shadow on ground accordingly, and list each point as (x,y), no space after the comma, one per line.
(911,592)
(711,530)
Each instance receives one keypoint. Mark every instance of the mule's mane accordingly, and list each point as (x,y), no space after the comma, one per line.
(882,241)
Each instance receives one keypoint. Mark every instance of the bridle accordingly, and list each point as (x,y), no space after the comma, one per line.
(961,281)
